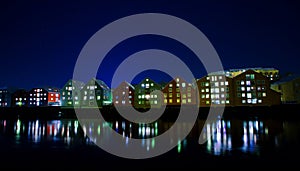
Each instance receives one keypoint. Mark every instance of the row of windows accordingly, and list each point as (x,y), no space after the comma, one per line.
(20,99)
(140,102)
(170,95)
(184,101)
(123,101)
(252,101)
(214,90)
(117,97)
(252,88)
(214,84)
(38,94)
(37,99)
(183,85)
(251,95)
(214,96)
(250,82)
(217,102)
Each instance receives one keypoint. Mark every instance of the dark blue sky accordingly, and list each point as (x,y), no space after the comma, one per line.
(41,40)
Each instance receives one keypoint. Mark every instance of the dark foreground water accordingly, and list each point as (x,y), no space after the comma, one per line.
(248,143)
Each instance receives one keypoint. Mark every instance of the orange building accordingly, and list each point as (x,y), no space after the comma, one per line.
(123,95)
(178,92)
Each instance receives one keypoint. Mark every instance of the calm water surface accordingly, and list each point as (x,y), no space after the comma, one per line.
(27,142)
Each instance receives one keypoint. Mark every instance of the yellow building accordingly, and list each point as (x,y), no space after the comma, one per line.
(289,89)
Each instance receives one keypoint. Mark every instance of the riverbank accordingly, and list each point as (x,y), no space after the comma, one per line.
(171,113)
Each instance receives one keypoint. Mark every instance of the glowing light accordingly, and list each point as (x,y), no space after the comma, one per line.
(99,130)
(179,146)
(153,143)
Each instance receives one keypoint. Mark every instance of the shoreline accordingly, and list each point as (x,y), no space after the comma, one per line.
(284,111)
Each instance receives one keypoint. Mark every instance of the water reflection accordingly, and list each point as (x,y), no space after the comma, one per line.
(223,136)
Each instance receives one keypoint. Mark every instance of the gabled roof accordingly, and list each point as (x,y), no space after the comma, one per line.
(100,83)
(77,84)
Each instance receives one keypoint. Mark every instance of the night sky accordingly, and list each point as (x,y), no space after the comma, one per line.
(41,40)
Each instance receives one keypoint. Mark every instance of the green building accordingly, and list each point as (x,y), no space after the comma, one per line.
(70,93)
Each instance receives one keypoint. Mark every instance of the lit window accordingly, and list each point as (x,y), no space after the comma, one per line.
(202,90)
(147,79)
(170,85)
(207,78)
(207,84)
(259,101)
(216,84)
(98,97)
(212,96)
(189,94)
(222,89)
(258,88)
(183,95)
(217,90)
(178,100)
(189,100)
(248,83)
(243,101)
(155,101)
(207,90)
(242,82)
(143,85)
(165,101)
(184,101)
(170,101)
(170,95)
(207,102)
(63,98)
(223,102)
(226,83)
(117,102)
(16,98)
(152,84)
(249,95)
(183,84)
(203,96)
(243,88)
(139,96)
(249,101)
(248,89)
(207,96)
(264,94)
(222,83)
(147,85)
(84,98)
(123,101)
(227,102)
(220,77)
(92,97)
(243,95)
(177,94)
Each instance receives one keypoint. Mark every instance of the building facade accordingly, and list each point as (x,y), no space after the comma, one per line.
(253,89)
(289,89)
(214,90)
(44,97)
(143,97)
(178,92)
(19,98)
(5,96)
(70,93)
(95,93)
(123,95)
